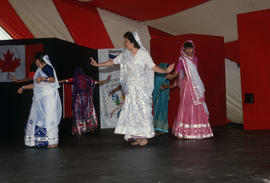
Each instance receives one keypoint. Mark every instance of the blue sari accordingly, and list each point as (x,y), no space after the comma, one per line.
(160,99)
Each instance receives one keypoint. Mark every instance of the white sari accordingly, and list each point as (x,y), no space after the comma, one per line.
(137,82)
(46,111)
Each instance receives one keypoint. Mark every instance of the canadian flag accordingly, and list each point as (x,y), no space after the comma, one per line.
(12,62)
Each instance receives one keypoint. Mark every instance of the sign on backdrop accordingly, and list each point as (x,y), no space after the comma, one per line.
(110,105)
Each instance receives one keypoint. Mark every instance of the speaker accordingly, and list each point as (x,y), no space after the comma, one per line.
(249,98)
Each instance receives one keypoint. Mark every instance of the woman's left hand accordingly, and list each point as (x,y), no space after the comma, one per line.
(169,68)
(38,80)
(93,62)
(175,83)
(109,77)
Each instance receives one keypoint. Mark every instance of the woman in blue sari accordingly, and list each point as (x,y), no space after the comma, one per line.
(161,97)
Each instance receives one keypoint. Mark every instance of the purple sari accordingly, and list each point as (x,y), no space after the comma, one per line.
(85,119)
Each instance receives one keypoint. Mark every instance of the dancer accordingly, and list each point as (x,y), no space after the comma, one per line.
(137,82)
(46,109)
(192,118)
(161,96)
(84,114)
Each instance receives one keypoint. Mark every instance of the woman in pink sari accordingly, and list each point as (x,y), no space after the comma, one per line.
(192,118)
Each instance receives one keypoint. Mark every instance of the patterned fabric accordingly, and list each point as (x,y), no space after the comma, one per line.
(192,120)
(84,115)
(160,100)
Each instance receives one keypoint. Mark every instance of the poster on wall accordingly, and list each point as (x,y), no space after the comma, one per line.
(110,105)
(12,62)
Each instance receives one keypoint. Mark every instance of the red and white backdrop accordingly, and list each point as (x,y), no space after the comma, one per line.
(100,24)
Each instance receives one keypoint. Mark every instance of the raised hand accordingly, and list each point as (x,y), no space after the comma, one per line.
(93,62)
(169,68)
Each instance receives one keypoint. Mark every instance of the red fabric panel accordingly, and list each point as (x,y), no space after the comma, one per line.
(155,33)
(210,51)
(31,75)
(30,51)
(254,39)
(143,10)
(232,51)
(67,97)
(84,24)
(12,23)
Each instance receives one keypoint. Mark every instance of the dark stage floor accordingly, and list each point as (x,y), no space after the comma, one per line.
(233,155)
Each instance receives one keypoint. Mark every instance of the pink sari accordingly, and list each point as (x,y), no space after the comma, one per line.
(192,118)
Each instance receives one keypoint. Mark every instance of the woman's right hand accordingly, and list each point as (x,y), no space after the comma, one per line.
(20,90)
(93,62)
(169,68)
(111,92)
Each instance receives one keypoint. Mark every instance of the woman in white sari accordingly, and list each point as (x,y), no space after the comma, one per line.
(137,81)
(46,109)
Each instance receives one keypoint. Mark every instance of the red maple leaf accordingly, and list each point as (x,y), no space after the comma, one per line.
(9,64)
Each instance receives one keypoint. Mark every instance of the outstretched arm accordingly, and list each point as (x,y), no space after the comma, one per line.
(45,79)
(104,81)
(163,71)
(15,80)
(25,87)
(104,64)
(70,80)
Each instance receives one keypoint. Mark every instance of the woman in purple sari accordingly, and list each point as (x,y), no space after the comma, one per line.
(192,118)
(84,115)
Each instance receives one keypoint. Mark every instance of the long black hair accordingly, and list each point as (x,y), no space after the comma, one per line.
(39,56)
(128,35)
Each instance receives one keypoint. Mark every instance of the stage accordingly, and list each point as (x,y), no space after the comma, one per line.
(233,155)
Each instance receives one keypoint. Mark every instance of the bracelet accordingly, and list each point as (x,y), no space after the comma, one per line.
(22,87)
(47,79)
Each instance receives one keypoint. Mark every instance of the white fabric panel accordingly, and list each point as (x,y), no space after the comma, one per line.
(4,35)
(42,18)
(117,25)
(216,17)
(233,92)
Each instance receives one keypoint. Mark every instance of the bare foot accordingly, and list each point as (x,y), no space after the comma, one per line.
(179,138)
(136,142)
(157,133)
(52,146)
(143,142)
